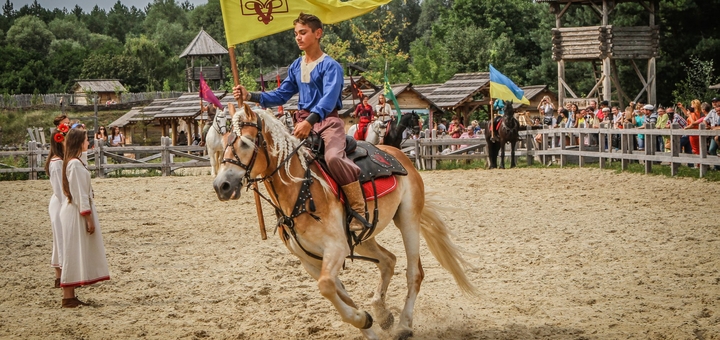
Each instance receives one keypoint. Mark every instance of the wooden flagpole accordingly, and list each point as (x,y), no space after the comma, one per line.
(258,203)
(491,125)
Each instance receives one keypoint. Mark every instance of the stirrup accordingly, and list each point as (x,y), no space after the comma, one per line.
(356,217)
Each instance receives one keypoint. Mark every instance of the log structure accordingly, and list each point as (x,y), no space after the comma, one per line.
(203,54)
(604,44)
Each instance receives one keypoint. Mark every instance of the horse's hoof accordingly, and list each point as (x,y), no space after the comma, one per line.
(368,321)
(388,322)
(404,335)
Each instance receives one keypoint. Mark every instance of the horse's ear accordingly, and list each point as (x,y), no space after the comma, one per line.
(249,114)
(231,108)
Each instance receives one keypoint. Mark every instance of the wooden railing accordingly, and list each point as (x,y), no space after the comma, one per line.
(125,158)
(427,152)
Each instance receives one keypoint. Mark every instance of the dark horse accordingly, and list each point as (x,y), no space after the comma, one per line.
(506,130)
(394,135)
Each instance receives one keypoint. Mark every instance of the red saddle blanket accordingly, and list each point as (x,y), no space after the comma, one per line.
(384,186)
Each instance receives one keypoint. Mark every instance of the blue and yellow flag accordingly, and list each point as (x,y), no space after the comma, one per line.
(501,87)
(246,20)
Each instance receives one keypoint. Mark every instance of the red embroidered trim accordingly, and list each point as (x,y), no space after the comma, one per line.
(85,283)
(86,212)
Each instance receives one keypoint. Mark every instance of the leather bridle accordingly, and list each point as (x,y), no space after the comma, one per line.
(259,142)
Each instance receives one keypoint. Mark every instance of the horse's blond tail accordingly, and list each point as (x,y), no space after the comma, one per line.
(437,237)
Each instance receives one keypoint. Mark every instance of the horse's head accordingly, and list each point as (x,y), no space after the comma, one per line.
(411,121)
(244,156)
(509,110)
(221,119)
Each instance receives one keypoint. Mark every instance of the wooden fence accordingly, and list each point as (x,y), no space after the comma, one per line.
(570,147)
(53,99)
(125,157)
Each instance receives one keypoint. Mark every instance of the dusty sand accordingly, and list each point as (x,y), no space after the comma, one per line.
(560,254)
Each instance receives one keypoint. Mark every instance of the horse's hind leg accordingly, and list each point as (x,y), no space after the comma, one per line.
(408,221)
(386,265)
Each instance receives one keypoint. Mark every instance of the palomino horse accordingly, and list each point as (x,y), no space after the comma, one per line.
(214,140)
(375,131)
(506,131)
(260,149)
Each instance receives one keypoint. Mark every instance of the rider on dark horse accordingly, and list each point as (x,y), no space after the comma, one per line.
(499,107)
(318,79)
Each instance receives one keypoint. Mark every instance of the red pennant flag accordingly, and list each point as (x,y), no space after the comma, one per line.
(277,77)
(356,92)
(207,94)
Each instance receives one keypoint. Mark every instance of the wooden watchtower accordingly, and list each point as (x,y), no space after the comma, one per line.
(604,44)
(204,54)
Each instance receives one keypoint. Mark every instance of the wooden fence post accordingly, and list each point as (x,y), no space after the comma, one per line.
(529,146)
(601,145)
(32,159)
(418,159)
(563,145)
(649,147)
(99,153)
(625,147)
(432,151)
(703,151)
(165,155)
(674,149)
(581,147)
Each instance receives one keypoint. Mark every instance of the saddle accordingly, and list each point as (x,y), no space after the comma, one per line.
(373,162)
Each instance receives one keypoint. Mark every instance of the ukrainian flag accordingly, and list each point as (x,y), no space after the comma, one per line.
(501,87)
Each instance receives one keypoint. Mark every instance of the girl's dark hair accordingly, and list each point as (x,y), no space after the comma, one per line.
(56,149)
(59,119)
(73,149)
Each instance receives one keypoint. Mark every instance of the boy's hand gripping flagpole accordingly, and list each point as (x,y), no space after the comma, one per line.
(258,203)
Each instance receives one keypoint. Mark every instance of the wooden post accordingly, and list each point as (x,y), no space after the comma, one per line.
(174,132)
(563,145)
(258,203)
(674,149)
(703,151)
(32,160)
(601,145)
(165,142)
(433,150)
(649,148)
(581,147)
(625,146)
(99,159)
(529,143)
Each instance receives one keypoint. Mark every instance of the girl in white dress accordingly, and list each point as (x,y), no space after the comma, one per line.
(83,260)
(53,168)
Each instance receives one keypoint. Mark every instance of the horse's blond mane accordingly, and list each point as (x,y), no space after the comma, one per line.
(282,144)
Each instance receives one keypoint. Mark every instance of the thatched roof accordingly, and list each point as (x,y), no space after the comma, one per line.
(186,106)
(98,85)
(461,88)
(125,119)
(203,45)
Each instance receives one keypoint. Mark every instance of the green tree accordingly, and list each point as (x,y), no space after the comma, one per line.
(65,62)
(700,75)
(96,21)
(69,28)
(30,33)
(151,58)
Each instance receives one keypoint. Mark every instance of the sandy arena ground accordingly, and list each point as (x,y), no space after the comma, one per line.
(559,254)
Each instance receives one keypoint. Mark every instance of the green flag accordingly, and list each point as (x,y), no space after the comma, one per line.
(389,94)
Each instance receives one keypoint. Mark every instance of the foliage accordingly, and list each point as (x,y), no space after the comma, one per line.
(30,33)
(695,86)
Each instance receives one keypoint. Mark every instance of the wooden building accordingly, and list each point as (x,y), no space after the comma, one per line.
(105,89)
(182,115)
(604,44)
(535,93)
(139,125)
(203,54)
(462,94)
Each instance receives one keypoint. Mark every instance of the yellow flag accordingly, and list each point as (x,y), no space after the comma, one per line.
(246,20)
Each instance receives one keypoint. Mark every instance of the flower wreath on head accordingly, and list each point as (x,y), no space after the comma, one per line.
(62,130)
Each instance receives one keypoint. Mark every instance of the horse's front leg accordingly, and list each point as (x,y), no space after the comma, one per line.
(332,263)
(386,265)
(213,162)
(512,155)
(502,156)
(315,270)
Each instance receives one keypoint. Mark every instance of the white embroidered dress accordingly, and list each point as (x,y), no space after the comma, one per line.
(55,173)
(83,260)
